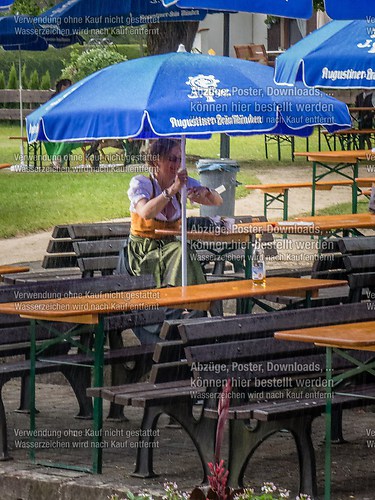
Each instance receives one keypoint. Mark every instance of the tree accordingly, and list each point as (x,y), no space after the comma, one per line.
(31,7)
(45,82)
(2,80)
(34,80)
(90,60)
(168,36)
(24,79)
(13,80)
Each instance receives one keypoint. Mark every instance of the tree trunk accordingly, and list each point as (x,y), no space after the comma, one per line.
(168,36)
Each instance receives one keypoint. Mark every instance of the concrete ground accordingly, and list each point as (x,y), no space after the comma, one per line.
(353,463)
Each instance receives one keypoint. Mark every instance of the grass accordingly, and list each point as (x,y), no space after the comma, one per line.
(343,208)
(33,202)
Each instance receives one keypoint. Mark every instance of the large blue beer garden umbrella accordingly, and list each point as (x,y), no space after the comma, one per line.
(341,54)
(183,95)
(73,16)
(20,32)
(303,9)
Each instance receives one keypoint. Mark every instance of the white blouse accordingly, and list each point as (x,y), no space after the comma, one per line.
(141,187)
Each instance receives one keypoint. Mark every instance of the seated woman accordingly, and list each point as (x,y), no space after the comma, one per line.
(155,204)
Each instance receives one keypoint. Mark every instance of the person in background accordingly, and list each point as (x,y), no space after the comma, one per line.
(155,204)
(59,152)
(365,118)
(61,85)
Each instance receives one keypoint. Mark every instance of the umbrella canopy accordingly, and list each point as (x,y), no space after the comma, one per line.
(182,94)
(21,32)
(5,5)
(73,16)
(341,54)
(303,9)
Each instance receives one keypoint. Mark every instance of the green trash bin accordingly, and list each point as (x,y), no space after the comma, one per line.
(213,174)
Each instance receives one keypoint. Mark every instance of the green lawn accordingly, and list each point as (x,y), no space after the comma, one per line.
(31,202)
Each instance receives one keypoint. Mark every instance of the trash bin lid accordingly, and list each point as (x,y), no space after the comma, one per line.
(225,165)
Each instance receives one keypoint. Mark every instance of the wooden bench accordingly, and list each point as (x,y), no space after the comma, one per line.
(79,250)
(349,139)
(12,269)
(363,183)
(348,258)
(280,192)
(196,352)
(253,52)
(31,100)
(61,356)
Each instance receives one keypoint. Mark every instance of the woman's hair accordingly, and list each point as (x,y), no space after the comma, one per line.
(160,149)
(62,83)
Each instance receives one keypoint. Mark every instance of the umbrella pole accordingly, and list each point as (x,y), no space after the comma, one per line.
(21,109)
(224,139)
(183,216)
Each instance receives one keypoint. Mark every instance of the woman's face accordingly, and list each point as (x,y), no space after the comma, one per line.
(169,164)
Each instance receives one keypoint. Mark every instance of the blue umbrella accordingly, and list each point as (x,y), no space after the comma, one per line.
(5,5)
(283,8)
(182,95)
(341,54)
(343,9)
(21,33)
(77,15)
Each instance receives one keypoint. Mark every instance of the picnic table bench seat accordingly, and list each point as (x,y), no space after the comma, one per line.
(77,250)
(190,346)
(346,258)
(279,192)
(62,355)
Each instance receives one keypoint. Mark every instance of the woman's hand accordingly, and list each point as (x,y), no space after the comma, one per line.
(179,181)
(204,196)
(198,194)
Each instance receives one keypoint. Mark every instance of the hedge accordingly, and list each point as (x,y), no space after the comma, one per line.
(52,59)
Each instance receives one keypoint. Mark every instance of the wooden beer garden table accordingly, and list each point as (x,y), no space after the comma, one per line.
(310,226)
(344,222)
(91,310)
(355,336)
(336,162)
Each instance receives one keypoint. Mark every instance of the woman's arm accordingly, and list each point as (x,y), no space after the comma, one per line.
(204,196)
(149,209)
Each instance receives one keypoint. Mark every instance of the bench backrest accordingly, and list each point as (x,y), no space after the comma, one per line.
(173,357)
(31,99)
(65,288)
(351,258)
(87,246)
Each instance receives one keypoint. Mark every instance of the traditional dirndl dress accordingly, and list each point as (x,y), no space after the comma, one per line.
(147,253)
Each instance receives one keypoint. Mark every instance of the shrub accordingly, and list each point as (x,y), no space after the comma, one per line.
(25,80)
(13,80)
(34,80)
(45,82)
(2,80)
(93,59)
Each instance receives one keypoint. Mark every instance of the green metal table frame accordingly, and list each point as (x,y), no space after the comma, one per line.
(333,381)
(98,358)
(338,168)
(283,198)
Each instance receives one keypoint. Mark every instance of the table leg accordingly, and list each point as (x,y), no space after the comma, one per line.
(285,205)
(328,422)
(32,388)
(354,189)
(313,189)
(98,402)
